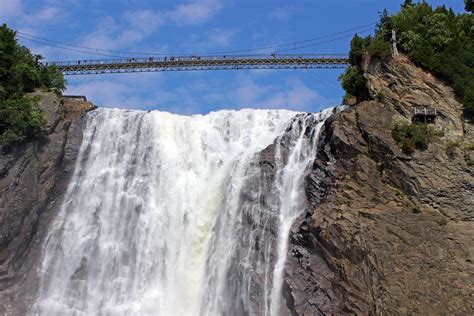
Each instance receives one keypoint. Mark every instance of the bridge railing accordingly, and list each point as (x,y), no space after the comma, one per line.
(192,58)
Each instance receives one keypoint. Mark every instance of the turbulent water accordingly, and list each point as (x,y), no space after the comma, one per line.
(178,215)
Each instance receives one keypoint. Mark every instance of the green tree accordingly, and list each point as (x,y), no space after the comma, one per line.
(407,3)
(435,39)
(353,80)
(21,72)
(357,50)
(469,5)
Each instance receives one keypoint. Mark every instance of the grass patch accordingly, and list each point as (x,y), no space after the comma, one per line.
(380,96)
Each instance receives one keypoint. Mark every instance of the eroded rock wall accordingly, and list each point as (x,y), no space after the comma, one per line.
(393,234)
(33,178)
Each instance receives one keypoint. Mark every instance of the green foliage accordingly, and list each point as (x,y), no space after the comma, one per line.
(440,41)
(20,119)
(407,3)
(380,96)
(379,48)
(352,80)
(434,38)
(469,5)
(21,72)
(413,136)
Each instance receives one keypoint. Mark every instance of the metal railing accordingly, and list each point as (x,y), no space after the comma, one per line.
(192,62)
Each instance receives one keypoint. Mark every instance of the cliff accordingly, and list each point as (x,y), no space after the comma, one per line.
(383,233)
(387,233)
(33,178)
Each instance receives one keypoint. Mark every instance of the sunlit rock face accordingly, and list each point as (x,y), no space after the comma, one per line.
(179,215)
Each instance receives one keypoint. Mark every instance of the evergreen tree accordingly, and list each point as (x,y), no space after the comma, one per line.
(469,5)
(435,39)
(407,3)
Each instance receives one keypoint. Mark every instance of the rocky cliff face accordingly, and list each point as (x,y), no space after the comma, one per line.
(384,233)
(387,233)
(33,178)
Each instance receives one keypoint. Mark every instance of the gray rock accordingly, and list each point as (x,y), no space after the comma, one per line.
(361,248)
(33,178)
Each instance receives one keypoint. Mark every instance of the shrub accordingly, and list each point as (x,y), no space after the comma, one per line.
(380,96)
(415,209)
(413,136)
(20,119)
(353,80)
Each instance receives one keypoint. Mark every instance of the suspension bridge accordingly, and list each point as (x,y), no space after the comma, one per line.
(194,62)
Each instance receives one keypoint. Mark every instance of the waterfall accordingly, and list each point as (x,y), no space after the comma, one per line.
(178,215)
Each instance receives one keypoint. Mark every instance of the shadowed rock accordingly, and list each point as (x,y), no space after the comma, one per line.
(33,178)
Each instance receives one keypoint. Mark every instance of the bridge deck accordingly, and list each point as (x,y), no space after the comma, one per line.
(150,64)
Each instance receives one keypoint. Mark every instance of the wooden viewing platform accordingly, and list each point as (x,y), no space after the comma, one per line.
(424,114)
(76,97)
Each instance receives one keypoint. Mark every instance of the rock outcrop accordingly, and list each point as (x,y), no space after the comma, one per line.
(387,233)
(33,178)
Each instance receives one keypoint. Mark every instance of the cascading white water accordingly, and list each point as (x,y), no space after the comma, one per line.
(164,211)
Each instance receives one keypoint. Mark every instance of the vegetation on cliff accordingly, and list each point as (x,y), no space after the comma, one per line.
(413,136)
(20,73)
(434,38)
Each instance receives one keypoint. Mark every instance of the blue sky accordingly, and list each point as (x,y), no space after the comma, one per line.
(198,26)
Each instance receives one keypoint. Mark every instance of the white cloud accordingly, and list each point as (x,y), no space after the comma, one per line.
(125,32)
(10,8)
(201,42)
(146,21)
(296,95)
(195,13)
(282,13)
(14,11)
(116,90)
(291,94)
(249,93)
(102,92)
(221,37)
(111,34)
(151,91)
(46,14)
